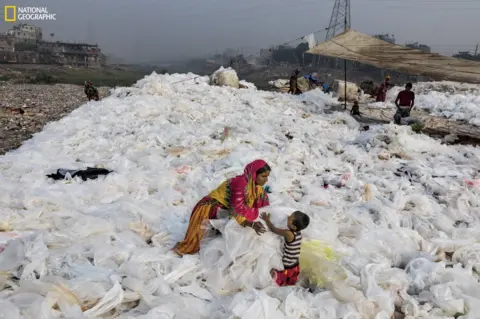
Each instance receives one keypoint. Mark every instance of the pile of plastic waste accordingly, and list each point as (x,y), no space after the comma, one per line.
(394,226)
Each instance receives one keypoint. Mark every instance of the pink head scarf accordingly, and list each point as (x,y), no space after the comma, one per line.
(255,196)
(250,171)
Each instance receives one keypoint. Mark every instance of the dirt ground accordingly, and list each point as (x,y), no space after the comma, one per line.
(26,108)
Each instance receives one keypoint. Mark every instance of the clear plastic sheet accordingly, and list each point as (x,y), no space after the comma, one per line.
(408,242)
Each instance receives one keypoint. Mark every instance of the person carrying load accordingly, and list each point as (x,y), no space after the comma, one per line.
(405,101)
(312,80)
(294,89)
(382,90)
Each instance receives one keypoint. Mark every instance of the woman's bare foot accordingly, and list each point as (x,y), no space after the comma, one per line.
(177,251)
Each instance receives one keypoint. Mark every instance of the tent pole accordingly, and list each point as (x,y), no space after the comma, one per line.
(345,60)
(345,70)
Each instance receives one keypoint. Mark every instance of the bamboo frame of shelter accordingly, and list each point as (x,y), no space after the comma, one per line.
(355,46)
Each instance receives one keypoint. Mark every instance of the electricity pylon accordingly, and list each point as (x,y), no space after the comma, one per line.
(340,18)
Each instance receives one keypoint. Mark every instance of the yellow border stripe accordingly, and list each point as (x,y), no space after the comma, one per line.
(14,18)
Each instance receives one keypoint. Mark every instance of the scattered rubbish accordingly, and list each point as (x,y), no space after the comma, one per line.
(182,170)
(365,128)
(473,183)
(40,104)
(89,173)
(176,151)
(368,193)
(225,135)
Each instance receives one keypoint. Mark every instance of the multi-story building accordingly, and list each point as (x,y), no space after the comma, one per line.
(419,46)
(26,33)
(386,37)
(7,43)
(75,54)
(23,44)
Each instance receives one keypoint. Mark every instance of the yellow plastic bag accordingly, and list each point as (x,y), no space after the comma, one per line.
(318,262)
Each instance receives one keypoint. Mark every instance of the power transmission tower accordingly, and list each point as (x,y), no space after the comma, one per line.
(340,19)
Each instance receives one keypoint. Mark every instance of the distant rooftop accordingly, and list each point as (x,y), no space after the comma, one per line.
(79,44)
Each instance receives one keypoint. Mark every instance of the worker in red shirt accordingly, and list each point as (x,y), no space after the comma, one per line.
(404,102)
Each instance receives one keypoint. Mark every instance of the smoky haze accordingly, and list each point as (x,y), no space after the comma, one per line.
(160,30)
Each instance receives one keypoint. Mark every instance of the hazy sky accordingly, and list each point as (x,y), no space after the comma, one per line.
(161,29)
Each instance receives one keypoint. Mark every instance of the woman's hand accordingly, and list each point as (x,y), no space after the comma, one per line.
(258,228)
(265,216)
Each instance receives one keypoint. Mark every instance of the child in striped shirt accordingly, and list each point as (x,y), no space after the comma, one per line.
(296,222)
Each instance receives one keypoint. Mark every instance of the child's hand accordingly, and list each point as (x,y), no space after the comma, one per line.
(265,216)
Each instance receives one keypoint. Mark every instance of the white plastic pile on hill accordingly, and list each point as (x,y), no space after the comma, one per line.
(100,248)
(352,90)
(453,100)
(225,77)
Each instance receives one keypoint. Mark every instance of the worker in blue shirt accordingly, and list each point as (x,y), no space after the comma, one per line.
(326,88)
(312,81)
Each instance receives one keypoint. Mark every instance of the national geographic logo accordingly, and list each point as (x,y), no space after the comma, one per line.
(10,13)
(14,14)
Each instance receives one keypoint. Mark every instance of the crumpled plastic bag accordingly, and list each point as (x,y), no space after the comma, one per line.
(254,304)
(13,255)
(225,77)
(8,310)
(235,260)
(318,263)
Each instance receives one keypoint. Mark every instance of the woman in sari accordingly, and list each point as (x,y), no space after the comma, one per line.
(242,196)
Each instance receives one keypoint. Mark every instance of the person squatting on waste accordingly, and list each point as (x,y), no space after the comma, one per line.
(91,91)
(405,102)
(355,109)
(296,222)
(242,196)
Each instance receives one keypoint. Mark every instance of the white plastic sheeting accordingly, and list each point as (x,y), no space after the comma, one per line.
(225,77)
(310,39)
(352,90)
(100,248)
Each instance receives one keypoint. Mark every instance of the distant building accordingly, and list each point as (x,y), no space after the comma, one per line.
(265,56)
(26,33)
(386,37)
(65,53)
(23,43)
(418,46)
(7,49)
(7,43)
